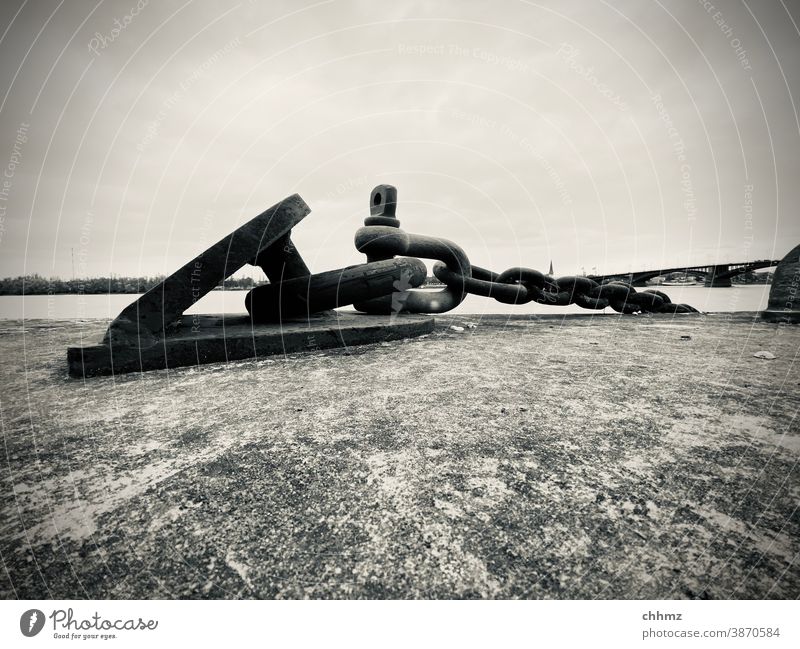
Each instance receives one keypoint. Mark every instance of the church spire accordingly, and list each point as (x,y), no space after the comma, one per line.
(550,272)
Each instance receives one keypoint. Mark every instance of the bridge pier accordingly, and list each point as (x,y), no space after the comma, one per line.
(714,280)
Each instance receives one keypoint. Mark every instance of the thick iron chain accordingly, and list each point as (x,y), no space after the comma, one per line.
(522,285)
(386,283)
(381,238)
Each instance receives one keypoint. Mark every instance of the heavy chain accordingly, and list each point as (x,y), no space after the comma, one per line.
(386,283)
(381,238)
(523,285)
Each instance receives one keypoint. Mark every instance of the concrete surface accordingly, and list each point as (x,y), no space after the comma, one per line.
(586,457)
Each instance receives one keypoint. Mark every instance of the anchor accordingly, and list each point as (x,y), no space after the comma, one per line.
(290,314)
(296,310)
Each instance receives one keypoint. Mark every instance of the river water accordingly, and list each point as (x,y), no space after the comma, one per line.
(68,307)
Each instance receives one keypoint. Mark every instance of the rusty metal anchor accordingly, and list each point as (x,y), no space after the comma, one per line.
(150,333)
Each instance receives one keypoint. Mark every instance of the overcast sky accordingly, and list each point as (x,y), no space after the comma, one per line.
(603,136)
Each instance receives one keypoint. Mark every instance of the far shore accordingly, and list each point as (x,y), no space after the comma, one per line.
(134,291)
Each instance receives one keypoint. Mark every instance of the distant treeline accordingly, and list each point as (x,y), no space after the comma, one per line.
(37,285)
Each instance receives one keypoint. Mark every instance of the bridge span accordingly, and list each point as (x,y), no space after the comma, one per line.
(716,275)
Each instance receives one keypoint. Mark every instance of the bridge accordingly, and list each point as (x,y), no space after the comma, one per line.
(716,275)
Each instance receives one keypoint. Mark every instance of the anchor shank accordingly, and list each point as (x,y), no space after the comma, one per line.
(163,305)
(282,261)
